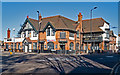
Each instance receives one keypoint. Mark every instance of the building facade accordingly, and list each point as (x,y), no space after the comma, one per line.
(56,34)
(60,35)
(112,43)
(99,38)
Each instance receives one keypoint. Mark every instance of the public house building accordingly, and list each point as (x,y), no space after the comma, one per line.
(60,35)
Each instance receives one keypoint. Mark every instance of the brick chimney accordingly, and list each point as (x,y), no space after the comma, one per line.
(8,33)
(40,17)
(79,17)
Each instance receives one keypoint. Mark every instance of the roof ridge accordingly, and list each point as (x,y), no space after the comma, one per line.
(50,16)
(58,16)
(33,19)
(67,18)
(93,19)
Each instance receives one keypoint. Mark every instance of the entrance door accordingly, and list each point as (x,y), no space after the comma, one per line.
(26,48)
(42,47)
(30,48)
(62,48)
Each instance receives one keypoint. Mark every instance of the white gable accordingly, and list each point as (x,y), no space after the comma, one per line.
(28,26)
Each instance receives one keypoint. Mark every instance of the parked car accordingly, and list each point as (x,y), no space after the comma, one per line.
(118,51)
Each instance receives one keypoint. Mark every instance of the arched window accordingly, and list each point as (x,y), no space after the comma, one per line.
(50,45)
(71,46)
(77,46)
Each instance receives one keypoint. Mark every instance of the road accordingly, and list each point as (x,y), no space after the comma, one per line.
(59,64)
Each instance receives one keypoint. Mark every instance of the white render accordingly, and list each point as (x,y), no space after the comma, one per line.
(71,38)
(105,26)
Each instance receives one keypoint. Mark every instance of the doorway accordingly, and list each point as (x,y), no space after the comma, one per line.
(42,47)
(26,48)
(62,49)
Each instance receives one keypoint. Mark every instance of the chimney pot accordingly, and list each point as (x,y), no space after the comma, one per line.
(27,16)
(79,17)
(8,33)
(40,17)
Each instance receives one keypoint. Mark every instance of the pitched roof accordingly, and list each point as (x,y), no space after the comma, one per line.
(96,24)
(58,22)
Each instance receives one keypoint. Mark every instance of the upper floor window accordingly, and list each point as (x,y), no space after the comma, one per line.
(48,31)
(29,33)
(62,34)
(71,34)
(77,34)
(34,34)
(107,34)
(52,32)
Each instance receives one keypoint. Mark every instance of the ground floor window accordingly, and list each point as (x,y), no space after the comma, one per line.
(77,46)
(18,45)
(15,45)
(11,45)
(71,46)
(50,45)
(35,45)
(6,46)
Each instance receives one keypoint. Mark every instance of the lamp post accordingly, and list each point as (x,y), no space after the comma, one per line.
(39,26)
(38,33)
(91,24)
(14,38)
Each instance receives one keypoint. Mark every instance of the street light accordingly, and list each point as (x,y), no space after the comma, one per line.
(91,24)
(38,33)
(14,38)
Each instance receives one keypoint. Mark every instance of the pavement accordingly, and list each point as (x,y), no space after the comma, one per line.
(59,64)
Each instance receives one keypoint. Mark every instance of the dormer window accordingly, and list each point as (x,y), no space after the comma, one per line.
(48,31)
(52,32)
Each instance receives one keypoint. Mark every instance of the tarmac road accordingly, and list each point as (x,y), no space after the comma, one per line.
(59,64)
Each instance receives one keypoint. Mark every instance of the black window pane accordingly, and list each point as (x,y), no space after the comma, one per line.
(48,32)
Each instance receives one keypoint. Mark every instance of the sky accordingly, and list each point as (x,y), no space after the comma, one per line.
(15,13)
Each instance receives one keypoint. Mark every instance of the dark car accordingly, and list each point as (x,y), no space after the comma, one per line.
(118,51)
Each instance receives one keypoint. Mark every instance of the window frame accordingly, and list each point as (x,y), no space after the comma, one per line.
(48,32)
(34,34)
(34,45)
(71,34)
(63,35)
